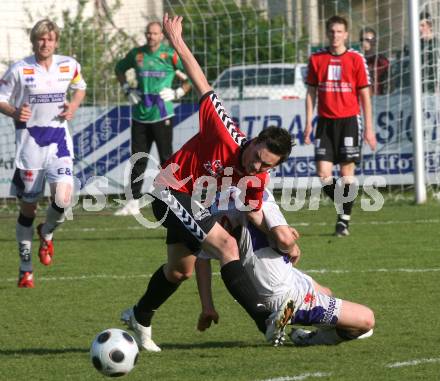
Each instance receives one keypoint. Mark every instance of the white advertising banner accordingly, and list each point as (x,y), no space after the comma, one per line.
(101,139)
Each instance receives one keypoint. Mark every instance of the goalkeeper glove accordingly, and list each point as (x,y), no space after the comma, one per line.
(132,94)
(168,94)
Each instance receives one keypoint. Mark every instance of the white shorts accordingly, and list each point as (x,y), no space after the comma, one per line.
(28,184)
(311,307)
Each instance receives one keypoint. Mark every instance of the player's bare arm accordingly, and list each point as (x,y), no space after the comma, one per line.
(204,276)
(285,236)
(21,114)
(173,30)
(365,100)
(71,107)
(310,105)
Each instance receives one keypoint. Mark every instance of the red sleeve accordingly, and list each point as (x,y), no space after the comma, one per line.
(213,119)
(175,59)
(361,72)
(254,191)
(312,78)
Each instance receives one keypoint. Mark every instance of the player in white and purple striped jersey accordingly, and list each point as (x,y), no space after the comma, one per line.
(276,280)
(33,92)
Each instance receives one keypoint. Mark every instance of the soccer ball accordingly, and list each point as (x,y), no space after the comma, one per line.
(114,352)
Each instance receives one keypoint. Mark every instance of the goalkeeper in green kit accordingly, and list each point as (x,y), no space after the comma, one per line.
(156,65)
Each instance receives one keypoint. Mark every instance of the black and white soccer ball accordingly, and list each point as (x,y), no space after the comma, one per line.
(114,352)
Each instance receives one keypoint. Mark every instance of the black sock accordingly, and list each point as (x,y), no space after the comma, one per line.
(25,221)
(158,291)
(343,334)
(329,189)
(57,208)
(241,288)
(347,206)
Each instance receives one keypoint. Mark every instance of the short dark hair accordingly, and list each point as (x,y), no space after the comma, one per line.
(277,140)
(336,20)
(426,16)
(367,29)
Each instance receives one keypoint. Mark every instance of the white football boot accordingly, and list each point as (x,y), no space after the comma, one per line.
(141,334)
(276,324)
(131,208)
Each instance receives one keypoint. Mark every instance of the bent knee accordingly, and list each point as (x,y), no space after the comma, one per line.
(228,248)
(368,320)
(178,276)
(328,291)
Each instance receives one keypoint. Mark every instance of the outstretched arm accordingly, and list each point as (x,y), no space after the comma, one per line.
(173,30)
(204,275)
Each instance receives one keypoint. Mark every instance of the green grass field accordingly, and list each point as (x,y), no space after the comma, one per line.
(103,263)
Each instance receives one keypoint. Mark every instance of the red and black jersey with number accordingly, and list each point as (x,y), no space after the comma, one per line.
(211,155)
(338,79)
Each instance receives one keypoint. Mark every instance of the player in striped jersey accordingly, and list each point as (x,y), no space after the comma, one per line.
(339,78)
(219,153)
(277,280)
(33,92)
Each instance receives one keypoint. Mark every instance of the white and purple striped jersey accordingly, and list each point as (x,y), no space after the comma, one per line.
(45,136)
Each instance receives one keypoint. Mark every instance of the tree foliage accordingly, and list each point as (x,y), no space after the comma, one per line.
(95,42)
(222,34)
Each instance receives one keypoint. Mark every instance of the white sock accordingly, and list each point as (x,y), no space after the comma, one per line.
(53,219)
(24,239)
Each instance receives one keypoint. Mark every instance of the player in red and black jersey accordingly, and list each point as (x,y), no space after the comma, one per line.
(218,156)
(338,77)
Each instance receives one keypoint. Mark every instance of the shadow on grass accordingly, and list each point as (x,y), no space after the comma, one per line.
(212,345)
(41,351)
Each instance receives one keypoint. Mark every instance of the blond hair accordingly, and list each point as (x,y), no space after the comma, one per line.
(43,27)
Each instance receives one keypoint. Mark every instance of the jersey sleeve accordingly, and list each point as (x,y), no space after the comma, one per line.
(272,213)
(77,82)
(177,62)
(126,63)
(255,191)
(7,85)
(312,78)
(213,119)
(361,74)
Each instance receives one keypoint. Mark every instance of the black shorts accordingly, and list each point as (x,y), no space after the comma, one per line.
(186,221)
(337,140)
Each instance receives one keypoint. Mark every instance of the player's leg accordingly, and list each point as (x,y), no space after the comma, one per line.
(348,156)
(355,321)
(28,186)
(184,236)
(163,136)
(324,170)
(347,178)
(164,282)
(24,231)
(142,138)
(325,155)
(60,178)
(141,141)
(220,243)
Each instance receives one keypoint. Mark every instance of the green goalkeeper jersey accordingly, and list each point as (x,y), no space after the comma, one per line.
(154,72)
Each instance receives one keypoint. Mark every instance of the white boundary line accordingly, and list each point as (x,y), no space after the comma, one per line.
(134,276)
(299,377)
(138,227)
(402,364)
(412,362)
